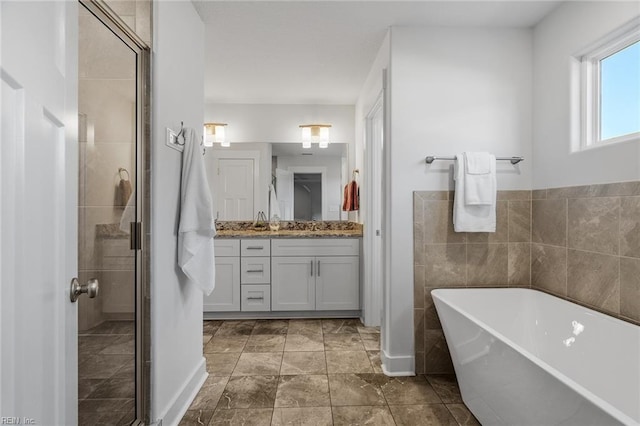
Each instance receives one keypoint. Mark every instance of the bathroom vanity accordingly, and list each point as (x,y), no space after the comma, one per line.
(306,269)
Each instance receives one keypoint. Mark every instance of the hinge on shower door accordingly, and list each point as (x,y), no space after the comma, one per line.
(135,235)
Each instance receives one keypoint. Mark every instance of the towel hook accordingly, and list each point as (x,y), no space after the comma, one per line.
(180,133)
(122,169)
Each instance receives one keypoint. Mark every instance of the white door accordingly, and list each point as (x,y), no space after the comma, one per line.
(284,189)
(293,284)
(38,218)
(234,189)
(337,283)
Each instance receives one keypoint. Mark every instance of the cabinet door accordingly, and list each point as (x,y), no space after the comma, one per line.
(337,283)
(225,297)
(293,284)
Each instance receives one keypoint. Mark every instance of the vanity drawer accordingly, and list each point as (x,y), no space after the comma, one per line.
(255,270)
(226,247)
(256,298)
(255,247)
(316,247)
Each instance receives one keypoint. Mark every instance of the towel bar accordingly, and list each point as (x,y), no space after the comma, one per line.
(514,160)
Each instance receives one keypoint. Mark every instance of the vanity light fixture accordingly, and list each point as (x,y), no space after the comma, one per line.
(214,133)
(315,133)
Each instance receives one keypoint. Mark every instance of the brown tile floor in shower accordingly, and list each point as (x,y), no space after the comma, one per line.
(106,381)
(313,372)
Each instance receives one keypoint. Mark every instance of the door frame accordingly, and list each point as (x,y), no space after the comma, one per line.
(143,202)
(372,241)
(323,178)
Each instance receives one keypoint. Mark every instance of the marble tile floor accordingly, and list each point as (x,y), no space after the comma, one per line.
(106,374)
(313,372)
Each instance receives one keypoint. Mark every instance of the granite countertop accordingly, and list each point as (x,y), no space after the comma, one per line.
(286,233)
(241,229)
(291,229)
(110,231)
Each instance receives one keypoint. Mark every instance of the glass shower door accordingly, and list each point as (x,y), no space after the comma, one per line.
(107,95)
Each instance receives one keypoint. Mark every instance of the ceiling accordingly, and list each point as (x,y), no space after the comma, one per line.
(319,52)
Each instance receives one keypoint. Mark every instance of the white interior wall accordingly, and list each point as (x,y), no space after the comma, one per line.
(372,88)
(178,367)
(562,34)
(452,89)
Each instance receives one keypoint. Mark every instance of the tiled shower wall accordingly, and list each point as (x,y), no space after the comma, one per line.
(444,258)
(579,243)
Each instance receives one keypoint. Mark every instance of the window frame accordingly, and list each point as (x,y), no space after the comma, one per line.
(590,84)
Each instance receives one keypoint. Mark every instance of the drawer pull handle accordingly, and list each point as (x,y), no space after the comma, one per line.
(255,270)
(255,298)
(311,262)
(318,268)
(255,248)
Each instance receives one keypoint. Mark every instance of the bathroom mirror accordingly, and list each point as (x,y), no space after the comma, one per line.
(309,182)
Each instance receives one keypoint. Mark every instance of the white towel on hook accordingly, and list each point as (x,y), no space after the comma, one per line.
(274,206)
(197,226)
(479,178)
(470,218)
(128,214)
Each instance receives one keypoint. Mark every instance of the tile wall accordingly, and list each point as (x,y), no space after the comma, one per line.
(136,14)
(579,243)
(586,246)
(444,258)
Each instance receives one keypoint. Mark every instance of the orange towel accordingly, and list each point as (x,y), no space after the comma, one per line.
(351,200)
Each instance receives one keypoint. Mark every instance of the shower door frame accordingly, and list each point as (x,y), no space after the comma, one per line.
(141,238)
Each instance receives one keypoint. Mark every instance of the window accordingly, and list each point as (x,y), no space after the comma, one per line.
(610,89)
(620,93)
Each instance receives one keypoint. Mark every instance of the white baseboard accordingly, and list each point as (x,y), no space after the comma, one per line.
(396,366)
(183,398)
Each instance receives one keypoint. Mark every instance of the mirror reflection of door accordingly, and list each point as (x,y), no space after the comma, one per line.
(233,189)
(285,191)
(307,196)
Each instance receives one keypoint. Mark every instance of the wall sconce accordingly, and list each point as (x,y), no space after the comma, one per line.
(315,133)
(214,133)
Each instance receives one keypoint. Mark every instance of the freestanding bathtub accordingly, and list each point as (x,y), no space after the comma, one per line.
(523,357)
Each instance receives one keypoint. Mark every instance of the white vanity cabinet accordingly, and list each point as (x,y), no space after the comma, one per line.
(225,297)
(337,283)
(255,275)
(315,274)
(293,285)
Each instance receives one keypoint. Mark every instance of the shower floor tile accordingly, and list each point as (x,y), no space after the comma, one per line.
(106,381)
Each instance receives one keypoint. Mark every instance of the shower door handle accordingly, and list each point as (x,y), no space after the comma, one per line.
(91,288)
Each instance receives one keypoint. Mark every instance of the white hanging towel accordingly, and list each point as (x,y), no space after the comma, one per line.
(274,207)
(197,226)
(474,217)
(479,178)
(128,214)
